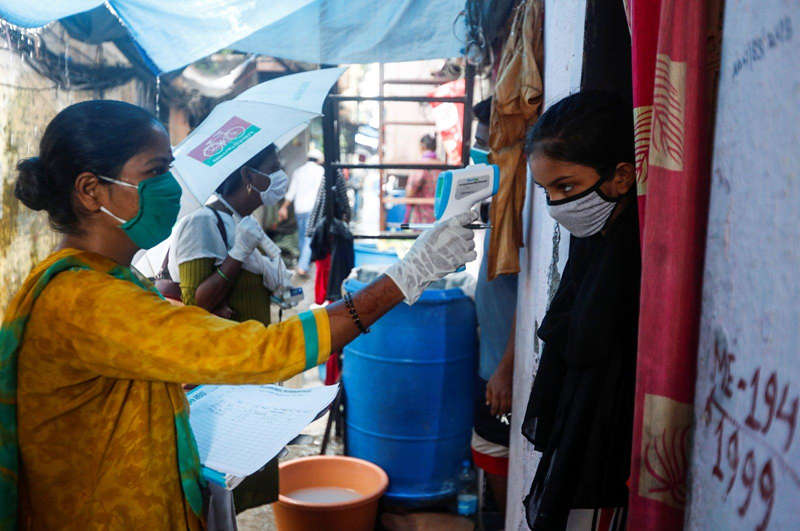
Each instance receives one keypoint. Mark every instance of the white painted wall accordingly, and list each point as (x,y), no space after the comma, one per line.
(546,248)
(742,473)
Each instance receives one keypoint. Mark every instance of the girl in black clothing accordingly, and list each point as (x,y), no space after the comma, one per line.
(580,411)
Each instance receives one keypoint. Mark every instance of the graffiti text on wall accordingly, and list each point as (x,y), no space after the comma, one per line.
(757,47)
(745,455)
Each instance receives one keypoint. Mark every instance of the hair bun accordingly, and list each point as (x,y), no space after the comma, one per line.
(32,187)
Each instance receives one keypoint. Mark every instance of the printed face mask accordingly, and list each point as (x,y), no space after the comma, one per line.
(159,204)
(584,214)
(278,185)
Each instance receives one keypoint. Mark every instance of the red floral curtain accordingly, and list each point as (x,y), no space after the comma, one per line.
(675,54)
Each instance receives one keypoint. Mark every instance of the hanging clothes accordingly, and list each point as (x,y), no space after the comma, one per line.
(342,258)
(485,21)
(580,410)
(323,270)
(331,237)
(517,102)
(676,54)
(607,49)
(341,205)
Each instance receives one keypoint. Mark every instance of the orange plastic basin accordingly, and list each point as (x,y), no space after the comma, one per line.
(367,479)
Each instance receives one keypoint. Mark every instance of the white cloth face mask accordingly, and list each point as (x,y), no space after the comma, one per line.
(278,185)
(584,214)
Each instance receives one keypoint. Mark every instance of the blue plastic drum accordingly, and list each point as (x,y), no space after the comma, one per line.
(409,394)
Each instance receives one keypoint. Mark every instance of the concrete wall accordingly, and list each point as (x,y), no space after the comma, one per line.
(545,252)
(28,102)
(745,465)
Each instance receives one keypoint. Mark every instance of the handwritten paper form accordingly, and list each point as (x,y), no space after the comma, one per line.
(239,428)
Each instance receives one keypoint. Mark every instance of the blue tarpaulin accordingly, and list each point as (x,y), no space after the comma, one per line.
(178,32)
(363,31)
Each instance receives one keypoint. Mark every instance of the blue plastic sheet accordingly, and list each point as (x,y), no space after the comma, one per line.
(37,13)
(175,33)
(363,31)
(179,32)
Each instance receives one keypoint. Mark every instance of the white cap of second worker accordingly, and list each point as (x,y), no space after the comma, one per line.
(315,154)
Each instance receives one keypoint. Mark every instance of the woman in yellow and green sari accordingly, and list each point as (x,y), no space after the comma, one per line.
(94,423)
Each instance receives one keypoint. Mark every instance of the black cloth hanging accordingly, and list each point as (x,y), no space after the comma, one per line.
(342,258)
(320,240)
(334,238)
(580,410)
(331,235)
(341,205)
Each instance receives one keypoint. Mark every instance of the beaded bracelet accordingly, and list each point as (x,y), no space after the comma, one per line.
(348,303)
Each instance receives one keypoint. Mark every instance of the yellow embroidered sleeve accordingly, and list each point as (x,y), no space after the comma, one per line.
(119,330)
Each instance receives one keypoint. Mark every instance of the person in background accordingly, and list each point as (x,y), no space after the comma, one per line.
(96,429)
(495,305)
(203,253)
(212,256)
(302,193)
(580,411)
(421,184)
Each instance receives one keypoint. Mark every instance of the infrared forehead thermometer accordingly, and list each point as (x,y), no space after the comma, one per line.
(457,191)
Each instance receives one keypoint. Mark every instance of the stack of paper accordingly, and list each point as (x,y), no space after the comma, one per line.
(239,428)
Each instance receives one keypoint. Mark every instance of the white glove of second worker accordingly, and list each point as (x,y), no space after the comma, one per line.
(276,277)
(440,250)
(269,247)
(248,235)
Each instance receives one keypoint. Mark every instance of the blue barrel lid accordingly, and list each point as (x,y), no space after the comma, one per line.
(371,248)
(429,296)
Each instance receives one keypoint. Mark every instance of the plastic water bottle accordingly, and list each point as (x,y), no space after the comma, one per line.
(467,490)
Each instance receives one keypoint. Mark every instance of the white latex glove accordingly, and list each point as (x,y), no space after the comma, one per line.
(275,277)
(269,247)
(274,274)
(278,185)
(437,252)
(248,235)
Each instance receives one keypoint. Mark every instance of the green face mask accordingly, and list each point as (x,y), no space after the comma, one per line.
(159,204)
